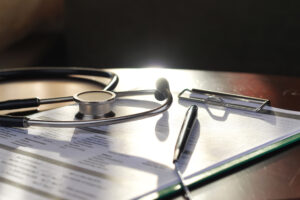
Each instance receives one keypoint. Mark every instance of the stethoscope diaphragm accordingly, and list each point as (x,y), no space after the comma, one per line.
(95,104)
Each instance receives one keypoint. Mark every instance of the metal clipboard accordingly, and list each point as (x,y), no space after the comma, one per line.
(232,101)
(225,100)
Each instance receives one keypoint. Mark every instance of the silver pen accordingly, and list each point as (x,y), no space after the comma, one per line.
(185,131)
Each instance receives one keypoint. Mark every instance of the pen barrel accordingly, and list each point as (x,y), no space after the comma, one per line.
(185,131)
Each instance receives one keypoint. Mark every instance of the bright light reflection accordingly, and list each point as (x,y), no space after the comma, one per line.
(145,78)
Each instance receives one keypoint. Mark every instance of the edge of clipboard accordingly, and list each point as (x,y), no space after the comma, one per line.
(176,189)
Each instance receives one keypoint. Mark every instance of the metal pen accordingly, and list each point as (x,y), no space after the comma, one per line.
(185,131)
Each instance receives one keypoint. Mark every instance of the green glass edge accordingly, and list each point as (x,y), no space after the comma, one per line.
(198,179)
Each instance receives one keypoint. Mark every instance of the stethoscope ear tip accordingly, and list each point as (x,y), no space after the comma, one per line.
(162,89)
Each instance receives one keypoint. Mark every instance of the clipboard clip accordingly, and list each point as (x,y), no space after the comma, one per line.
(226,100)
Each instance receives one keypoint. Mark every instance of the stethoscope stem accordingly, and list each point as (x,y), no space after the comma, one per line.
(56,100)
(134,93)
(35,102)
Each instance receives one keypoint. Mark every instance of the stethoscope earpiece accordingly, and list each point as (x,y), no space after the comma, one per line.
(162,89)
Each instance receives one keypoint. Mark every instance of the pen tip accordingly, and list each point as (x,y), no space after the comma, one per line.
(176,155)
(194,107)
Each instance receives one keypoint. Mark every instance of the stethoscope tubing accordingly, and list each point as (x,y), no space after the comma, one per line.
(106,121)
(162,93)
(37,72)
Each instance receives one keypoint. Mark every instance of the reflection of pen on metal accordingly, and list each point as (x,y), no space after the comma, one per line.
(186,129)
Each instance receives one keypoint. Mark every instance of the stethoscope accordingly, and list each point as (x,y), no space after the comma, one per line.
(94,106)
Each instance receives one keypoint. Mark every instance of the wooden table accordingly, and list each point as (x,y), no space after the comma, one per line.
(275,176)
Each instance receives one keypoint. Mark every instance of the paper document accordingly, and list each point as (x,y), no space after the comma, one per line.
(129,160)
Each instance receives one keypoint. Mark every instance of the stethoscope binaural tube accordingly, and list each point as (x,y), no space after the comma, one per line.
(57,72)
(161,93)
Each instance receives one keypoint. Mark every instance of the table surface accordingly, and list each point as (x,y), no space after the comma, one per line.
(275,176)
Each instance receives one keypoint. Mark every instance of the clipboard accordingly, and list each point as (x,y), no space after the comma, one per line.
(231,101)
(226,100)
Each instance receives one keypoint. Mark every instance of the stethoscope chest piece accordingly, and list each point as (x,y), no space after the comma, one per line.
(95,104)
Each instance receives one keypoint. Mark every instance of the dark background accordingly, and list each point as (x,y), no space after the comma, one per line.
(231,35)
